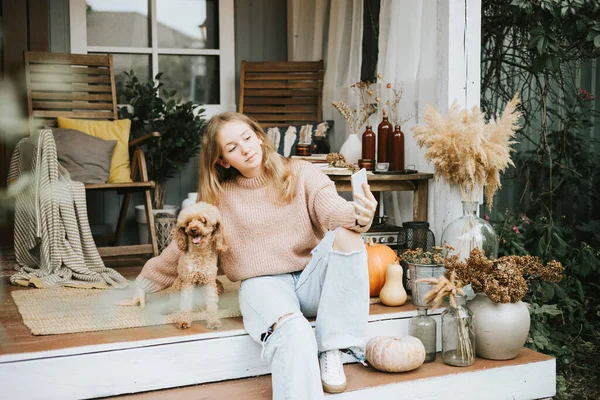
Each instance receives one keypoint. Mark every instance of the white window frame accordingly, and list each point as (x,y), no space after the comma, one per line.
(225,52)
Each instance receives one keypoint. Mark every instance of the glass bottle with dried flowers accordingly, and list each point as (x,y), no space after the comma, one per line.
(469,231)
(458,335)
(501,318)
(470,152)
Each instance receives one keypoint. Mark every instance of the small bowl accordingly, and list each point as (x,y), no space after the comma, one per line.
(382,167)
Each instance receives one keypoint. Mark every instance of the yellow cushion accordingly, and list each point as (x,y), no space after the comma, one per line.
(118,130)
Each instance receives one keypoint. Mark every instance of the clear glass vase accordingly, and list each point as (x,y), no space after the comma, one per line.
(469,231)
(423,327)
(458,335)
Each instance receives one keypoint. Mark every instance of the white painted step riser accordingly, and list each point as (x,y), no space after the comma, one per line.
(139,369)
(520,382)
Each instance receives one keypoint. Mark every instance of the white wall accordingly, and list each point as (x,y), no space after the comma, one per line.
(432,49)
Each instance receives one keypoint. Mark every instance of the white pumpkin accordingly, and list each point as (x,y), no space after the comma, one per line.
(394,354)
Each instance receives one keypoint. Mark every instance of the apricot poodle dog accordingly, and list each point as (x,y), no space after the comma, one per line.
(199,233)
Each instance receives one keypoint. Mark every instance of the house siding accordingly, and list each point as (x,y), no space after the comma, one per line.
(58,11)
(260,35)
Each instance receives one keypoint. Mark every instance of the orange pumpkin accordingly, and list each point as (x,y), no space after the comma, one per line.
(379,256)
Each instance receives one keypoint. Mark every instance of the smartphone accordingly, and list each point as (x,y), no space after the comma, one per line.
(358,179)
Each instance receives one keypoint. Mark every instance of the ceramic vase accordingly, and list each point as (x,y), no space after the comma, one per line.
(352,148)
(501,329)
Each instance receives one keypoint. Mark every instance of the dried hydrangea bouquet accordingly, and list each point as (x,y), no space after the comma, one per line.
(468,151)
(504,280)
(501,319)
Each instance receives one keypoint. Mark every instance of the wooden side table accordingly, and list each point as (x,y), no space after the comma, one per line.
(417,183)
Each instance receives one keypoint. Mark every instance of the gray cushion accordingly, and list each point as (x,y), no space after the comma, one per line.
(86,157)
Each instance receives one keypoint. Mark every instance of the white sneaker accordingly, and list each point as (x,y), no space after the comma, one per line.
(332,371)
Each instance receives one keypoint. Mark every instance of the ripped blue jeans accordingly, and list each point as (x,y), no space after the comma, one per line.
(334,287)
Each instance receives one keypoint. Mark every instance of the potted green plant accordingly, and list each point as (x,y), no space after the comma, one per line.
(180,125)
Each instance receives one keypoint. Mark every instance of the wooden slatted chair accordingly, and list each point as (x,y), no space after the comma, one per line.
(83,86)
(282,93)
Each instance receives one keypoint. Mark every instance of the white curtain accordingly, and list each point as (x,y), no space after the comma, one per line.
(342,63)
(306,29)
(330,30)
(408,57)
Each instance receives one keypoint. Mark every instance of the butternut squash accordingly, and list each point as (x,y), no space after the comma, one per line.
(393,294)
(378,258)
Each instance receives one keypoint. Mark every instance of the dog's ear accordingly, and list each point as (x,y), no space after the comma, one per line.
(219,237)
(180,236)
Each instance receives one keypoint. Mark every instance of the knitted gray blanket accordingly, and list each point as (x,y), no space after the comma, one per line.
(53,240)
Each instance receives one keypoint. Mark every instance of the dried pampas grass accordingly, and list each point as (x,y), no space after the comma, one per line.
(467,151)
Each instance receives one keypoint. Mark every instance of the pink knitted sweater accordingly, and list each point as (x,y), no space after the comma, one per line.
(266,236)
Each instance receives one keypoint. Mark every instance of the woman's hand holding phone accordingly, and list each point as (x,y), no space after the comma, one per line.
(364,201)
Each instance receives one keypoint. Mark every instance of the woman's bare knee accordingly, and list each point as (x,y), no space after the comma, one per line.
(347,241)
(281,319)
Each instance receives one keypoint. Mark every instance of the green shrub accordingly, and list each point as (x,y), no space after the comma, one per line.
(565,316)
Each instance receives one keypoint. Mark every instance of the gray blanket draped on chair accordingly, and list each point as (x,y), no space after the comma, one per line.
(53,240)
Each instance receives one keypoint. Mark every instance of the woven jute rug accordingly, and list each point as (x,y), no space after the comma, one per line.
(60,310)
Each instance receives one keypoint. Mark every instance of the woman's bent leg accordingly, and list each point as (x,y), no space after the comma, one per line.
(292,354)
(272,317)
(335,287)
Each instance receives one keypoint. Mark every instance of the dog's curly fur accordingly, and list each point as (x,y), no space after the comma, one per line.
(199,233)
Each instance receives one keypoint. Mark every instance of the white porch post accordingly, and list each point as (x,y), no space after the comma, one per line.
(458,75)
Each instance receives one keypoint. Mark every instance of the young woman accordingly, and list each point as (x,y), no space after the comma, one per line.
(294,244)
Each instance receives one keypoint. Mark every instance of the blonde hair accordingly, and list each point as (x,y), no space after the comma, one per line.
(211,175)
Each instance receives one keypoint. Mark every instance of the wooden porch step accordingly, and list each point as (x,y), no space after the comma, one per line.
(529,376)
(102,364)
(156,358)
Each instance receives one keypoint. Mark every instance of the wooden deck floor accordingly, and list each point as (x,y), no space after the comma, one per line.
(15,337)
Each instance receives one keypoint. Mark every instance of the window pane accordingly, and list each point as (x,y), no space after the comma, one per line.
(195,78)
(122,23)
(188,24)
(139,63)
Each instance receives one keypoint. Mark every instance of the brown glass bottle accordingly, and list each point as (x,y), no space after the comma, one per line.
(397,150)
(384,131)
(368,144)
